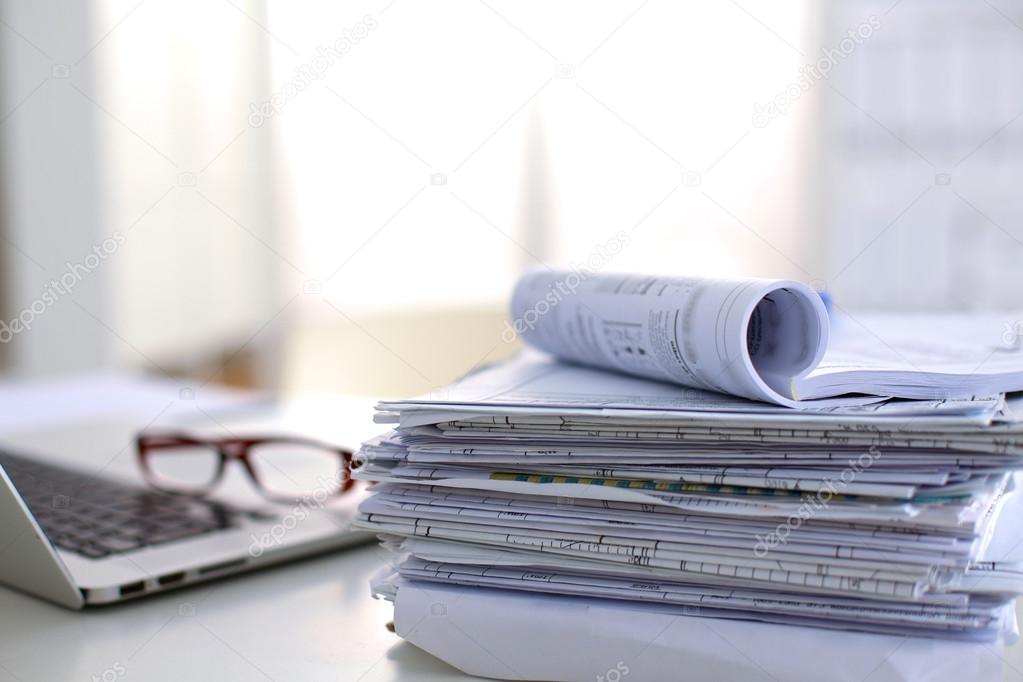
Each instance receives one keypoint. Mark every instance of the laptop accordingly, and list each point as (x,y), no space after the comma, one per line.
(79,527)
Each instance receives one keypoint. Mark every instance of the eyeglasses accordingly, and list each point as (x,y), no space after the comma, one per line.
(282,468)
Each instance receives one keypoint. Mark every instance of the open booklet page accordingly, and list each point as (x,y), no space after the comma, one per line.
(762,339)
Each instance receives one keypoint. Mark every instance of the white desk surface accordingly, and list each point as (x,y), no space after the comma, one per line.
(309,620)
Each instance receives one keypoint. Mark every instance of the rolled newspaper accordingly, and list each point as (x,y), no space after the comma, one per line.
(749,337)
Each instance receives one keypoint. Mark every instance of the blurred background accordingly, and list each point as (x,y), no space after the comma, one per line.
(340,196)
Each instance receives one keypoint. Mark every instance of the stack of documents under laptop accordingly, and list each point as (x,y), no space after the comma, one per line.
(697,448)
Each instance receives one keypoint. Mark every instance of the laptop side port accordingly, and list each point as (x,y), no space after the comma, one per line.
(223,566)
(131,589)
(171,578)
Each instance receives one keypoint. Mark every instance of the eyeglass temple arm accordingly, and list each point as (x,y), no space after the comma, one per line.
(351,464)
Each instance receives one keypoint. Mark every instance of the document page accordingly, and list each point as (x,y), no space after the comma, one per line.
(763,339)
(750,338)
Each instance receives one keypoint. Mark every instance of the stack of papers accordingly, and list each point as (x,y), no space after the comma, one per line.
(732,498)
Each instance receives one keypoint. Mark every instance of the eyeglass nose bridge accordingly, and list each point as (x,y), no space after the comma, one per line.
(234,451)
(239,452)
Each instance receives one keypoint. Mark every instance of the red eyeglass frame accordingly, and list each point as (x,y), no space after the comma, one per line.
(232,448)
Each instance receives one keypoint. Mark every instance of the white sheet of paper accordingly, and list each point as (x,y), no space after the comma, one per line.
(518,635)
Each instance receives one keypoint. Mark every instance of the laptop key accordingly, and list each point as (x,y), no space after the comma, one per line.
(117,544)
(92,551)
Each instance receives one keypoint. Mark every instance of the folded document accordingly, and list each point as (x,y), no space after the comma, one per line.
(758,338)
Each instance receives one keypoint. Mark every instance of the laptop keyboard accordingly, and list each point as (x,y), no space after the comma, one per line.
(96,517)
